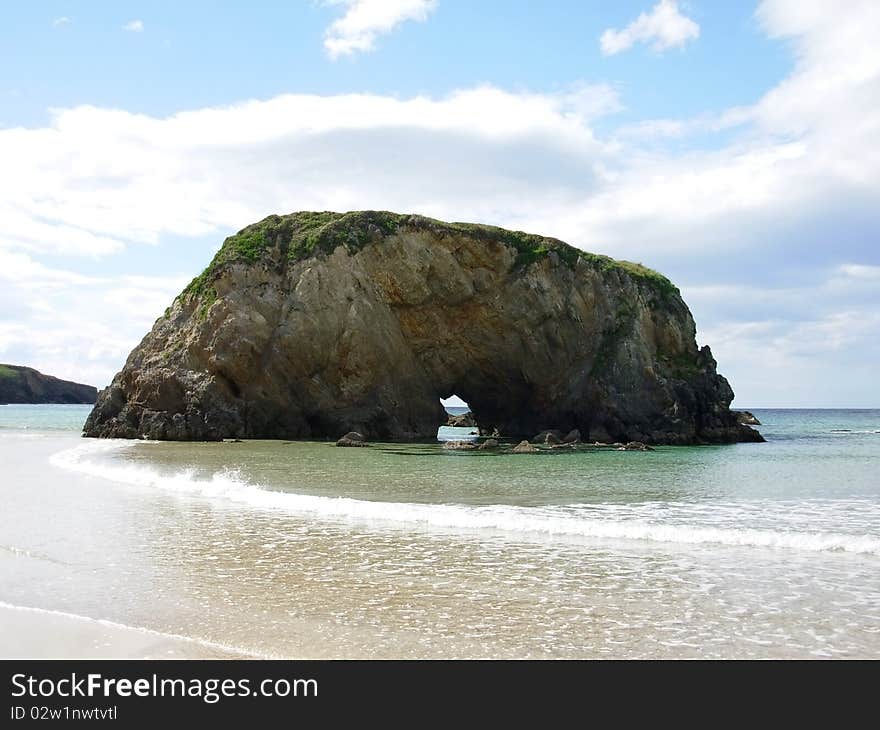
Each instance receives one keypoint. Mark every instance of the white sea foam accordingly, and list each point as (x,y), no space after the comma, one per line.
(225,648)
(574,521)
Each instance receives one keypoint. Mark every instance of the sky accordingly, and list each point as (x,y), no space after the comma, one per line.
(733,146)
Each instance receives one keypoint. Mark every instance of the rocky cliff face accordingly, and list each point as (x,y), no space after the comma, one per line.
(314,324)
(19,384)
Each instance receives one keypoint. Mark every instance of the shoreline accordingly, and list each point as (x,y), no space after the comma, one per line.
(39,633)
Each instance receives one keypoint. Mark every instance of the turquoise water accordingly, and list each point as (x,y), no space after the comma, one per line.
(303,549)
(43,417)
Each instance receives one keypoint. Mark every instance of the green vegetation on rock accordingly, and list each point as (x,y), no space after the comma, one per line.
(639,272)
(299,236)
(324,232)
(8,372)
(200,283)
(249,245)
(209,296)
(530,247)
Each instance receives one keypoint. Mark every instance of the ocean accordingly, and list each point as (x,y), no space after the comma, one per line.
(301,549)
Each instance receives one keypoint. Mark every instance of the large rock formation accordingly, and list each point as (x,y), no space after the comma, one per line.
(314,324)
(19,384)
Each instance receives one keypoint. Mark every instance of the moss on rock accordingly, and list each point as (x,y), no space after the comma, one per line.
(299,236)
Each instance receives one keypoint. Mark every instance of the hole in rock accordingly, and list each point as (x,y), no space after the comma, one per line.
(460,424)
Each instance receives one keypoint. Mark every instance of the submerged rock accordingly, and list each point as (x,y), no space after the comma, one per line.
(524,447)
(352,438)
(306,325)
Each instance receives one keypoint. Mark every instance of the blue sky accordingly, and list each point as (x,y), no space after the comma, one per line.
(197,54)
(732,145)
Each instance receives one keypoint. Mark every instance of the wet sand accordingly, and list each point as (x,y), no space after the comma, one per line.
(35,633)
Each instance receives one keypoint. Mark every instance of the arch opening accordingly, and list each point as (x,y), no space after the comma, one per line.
(461,424)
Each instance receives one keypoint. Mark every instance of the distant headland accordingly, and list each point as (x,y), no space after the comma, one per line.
(20,384)
(312,325)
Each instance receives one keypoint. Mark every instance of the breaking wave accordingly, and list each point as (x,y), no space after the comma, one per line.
(574,521)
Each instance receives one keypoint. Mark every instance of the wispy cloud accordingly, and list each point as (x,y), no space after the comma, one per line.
(365,20)
(664,27)
(62,21)
(134,26)
(48,325)
(861,272)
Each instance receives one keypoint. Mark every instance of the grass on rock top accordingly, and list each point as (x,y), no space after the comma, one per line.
(298,236)
(8,372)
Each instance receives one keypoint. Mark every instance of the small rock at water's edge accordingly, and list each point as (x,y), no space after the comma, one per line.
(352,438)
(524,447)
(636,446)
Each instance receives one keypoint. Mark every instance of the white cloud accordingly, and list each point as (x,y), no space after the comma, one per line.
(664,27)
(75,326)
(658,129)
(811,344)
(98,179)
(134,26)
(860,272)
(365,20)
(59,22)
(810,144)
(825,362)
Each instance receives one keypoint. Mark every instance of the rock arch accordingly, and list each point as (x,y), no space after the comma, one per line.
(314,324)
